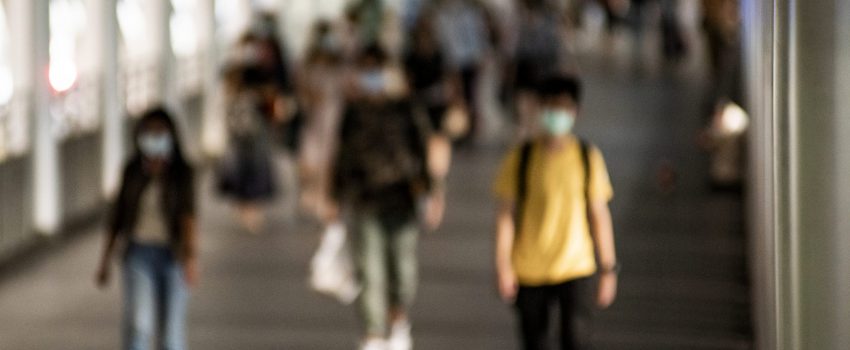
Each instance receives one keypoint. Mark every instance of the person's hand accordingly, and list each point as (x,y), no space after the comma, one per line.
(508,285)
(434,211)
(330,213)
(439,156)
(191,272)
(607,289)
(103,275)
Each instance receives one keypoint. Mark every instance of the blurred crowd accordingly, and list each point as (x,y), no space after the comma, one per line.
(434,54)
(372,112)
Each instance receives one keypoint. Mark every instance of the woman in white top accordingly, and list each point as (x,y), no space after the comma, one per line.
(154,219)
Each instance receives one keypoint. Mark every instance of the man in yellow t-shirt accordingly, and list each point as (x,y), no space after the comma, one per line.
(554,229)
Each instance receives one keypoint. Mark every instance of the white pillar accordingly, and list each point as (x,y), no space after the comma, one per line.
(841,188)
(757,27)
(160,30)
(111,108)
(801,150)
(213,138)
(819,113)
(46,199)
(20,22)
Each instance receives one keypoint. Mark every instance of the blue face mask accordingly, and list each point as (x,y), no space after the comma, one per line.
(372,82)
(329,43)
(558,122)
(156,145)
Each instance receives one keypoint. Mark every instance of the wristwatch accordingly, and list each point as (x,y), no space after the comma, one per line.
(611,269)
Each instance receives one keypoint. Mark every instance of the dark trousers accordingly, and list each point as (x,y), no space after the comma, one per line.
(469,81)
(535,304)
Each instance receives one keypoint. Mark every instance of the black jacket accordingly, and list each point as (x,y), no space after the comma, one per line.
(178,201)
(382,156)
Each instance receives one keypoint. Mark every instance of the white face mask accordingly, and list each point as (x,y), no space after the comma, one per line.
(156,145)
(329,43)
(558,122)
(372,82)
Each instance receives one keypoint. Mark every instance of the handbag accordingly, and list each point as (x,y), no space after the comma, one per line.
(332,270)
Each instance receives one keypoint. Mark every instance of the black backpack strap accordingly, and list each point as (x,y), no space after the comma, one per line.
(588,173)
(522,184)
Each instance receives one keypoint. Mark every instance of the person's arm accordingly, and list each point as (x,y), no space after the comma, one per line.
(336,185)
(439,161)
(455,88)
(603,237)
(103,274)
(190,250)
(505,233)
(104,270)
(435,157)
(189,231)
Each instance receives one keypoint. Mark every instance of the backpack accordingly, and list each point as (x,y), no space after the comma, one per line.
(522,181)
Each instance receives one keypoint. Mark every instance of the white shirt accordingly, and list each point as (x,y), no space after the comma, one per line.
(151,227)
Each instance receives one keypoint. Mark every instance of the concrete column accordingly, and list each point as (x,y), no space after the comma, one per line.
(213,116)
(819,112)
(841,189)
(46,199)
(111,108)
(757,28)
(799,86)
(161,34)
(22,63)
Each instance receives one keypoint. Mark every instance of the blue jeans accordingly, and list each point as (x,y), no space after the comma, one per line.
(155,293)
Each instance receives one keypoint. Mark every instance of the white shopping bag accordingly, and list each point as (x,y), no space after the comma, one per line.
(332,270)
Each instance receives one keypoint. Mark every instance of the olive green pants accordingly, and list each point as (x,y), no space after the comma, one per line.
(384,252)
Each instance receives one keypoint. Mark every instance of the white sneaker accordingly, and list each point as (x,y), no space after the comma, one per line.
(400,338)
(373,344)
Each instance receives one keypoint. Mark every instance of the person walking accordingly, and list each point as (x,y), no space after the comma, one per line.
(154,220)
(321,97)
(254,104)
(466,34)
(381,174)
(553,227)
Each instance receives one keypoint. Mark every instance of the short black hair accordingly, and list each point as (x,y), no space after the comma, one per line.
(553,86)
(373,51)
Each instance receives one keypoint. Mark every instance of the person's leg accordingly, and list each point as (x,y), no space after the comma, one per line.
(174,298)
(252,217)
(138,299)
(404,278)
(576,303)
(469,81)
(404,267)
(532,305)
(369,245)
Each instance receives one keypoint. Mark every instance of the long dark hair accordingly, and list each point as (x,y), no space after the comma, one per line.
(178,196)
